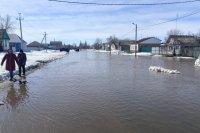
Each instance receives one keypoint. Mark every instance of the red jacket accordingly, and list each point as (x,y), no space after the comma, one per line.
(10,61)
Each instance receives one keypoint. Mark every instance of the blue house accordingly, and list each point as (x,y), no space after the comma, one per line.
(16,43)
(150,44)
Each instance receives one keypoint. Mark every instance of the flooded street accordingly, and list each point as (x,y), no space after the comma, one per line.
(88,92)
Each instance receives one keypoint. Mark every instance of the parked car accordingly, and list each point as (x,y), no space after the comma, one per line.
(65,49)
(77,50)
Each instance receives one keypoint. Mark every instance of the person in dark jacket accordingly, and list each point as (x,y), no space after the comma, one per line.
(10,58)
(22,62)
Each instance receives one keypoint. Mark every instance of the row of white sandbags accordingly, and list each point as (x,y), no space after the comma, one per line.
(161,69)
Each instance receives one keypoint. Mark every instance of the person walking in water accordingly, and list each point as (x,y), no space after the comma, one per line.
(22,62)
(10,58)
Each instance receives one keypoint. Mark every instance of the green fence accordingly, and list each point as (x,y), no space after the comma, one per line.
(196,54)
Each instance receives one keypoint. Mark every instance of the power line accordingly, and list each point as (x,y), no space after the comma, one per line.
(125,34)
(175,19)
(125,4)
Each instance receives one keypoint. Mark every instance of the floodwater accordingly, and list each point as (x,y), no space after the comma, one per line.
(88,92)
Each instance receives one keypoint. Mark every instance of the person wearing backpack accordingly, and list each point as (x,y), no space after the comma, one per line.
(22,62)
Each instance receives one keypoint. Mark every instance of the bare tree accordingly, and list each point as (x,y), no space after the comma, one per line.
(198,34)
(113,40)
(98,43)
(6,23)
(174,32)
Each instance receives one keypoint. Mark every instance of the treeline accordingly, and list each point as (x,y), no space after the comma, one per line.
(81,45)
(98,44)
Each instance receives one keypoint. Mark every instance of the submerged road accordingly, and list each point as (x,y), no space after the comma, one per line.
(88,92)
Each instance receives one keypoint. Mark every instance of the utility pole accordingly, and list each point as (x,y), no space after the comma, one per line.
(20,19)
(135,37)
(44,39)
(110,47)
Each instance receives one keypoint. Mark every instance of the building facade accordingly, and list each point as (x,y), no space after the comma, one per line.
(4,40)
(183,45)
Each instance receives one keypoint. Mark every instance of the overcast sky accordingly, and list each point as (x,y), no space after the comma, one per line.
(71,23)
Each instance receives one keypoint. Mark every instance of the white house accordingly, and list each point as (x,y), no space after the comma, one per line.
(183,45)
(134,47)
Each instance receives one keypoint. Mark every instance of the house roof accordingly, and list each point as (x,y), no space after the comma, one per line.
(144,39)
(3,34)
(140,42)
(183,39)
(126,42)
(147,38)
(35,44)
(14,38)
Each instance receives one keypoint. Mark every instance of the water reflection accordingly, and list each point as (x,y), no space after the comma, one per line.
(16,95)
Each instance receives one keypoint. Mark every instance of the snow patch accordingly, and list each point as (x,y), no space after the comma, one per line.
(1,103)
(34,60)
(118,52)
